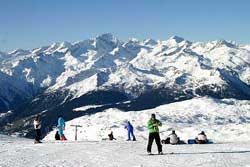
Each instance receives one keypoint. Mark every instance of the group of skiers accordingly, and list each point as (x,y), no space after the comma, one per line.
(59,133)
(152,125)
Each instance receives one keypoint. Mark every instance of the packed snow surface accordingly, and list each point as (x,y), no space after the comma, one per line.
(15,152)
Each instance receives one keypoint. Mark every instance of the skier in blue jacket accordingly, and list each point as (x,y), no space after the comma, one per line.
(130,129)
(61,127)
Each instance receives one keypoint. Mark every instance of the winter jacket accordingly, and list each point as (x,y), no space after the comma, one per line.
(61,123)
(173,138)
(37,124)
(129,126)
(202,137)
(151,128)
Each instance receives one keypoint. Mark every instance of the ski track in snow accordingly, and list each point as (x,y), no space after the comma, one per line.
(22,152)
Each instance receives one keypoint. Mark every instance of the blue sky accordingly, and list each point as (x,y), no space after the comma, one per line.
(33,23)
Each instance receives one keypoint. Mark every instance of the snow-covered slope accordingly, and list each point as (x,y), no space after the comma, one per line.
(225,120)
(19,152)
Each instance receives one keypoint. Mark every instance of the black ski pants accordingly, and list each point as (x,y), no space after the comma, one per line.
(38,134)
(154,136)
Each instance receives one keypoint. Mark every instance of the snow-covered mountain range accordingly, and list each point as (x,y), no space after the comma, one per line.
(107,71)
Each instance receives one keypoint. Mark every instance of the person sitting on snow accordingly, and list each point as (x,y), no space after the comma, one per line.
(57,136)
(130,129)
(171,139)
(111,136)
(201,138)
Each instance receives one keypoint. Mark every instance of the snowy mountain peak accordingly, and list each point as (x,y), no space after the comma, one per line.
(65,44)
(229,44)
(107,37)
(177,39)
(221,43)
(150,42)
(133,40)
(18,52)
(106,42)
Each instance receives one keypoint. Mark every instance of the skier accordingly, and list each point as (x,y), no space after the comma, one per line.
(61,127)
(57,136)
(37,126)
(130,129)
(172,138)
(153,127)
(201,138)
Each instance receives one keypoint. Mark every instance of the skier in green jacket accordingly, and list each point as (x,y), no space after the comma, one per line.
(153,127)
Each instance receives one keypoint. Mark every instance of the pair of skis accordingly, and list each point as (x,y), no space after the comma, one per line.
(151,154)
